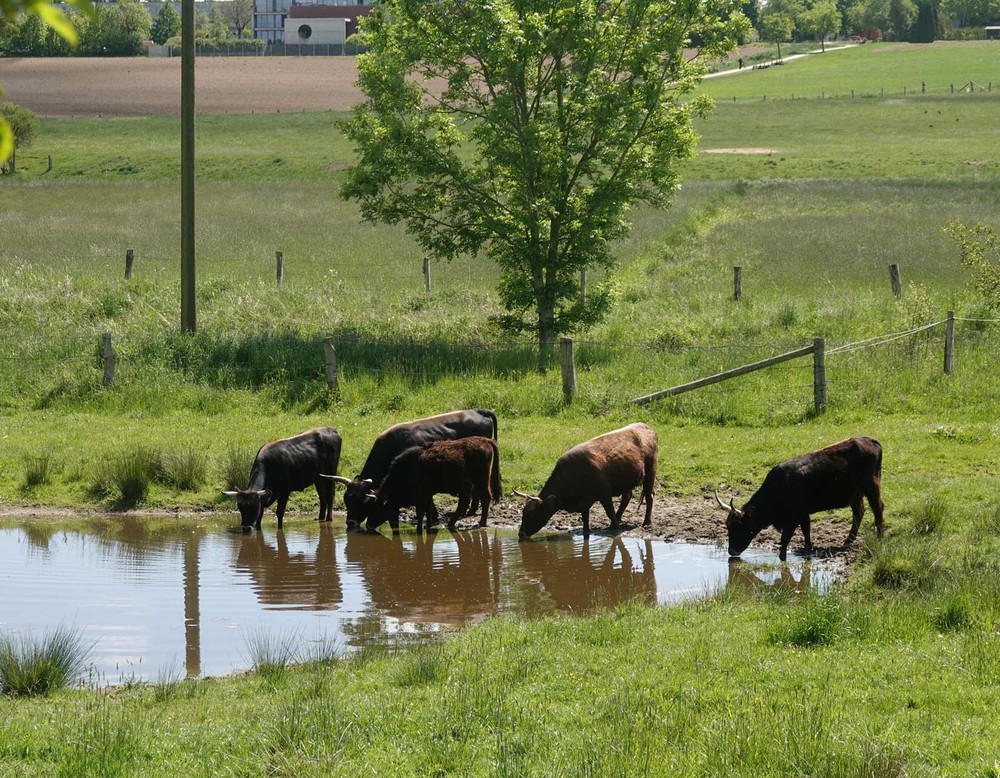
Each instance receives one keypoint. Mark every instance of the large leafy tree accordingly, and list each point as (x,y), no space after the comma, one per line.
(525,129)
(48,12)
(238,14)
(820,21)
(775,27)
(24,127)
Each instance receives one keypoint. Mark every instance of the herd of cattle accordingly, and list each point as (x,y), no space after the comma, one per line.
(456,453)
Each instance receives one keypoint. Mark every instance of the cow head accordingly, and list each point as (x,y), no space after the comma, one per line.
(379,510)
(359,500)
(251,504)
(535,514)
(740,527)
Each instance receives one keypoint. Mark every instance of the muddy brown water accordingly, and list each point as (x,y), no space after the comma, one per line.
(187,597)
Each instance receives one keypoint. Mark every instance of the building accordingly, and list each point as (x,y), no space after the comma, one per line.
(323,22)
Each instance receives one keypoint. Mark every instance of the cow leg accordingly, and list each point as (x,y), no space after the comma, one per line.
(806,523)
(607,502)
(279,510)
(786,538)
(325,492)
(432,514)
(626,499)
(461,510)
(648,487)
(484,500)
(874,495)
(858,510)
(585,513)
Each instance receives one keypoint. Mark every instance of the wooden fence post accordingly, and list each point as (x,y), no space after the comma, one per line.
(129,259)
(583,288)
(568,369)
(819,375)
(49,168)
(109,359)
(280,260)
(897,284)
(949,344)
(331,365)
(737,283)
(427,275)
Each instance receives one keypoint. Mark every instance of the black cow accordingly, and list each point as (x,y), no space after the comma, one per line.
(359,497)
(599,470)
(286,466)
(467,468)
(834,477)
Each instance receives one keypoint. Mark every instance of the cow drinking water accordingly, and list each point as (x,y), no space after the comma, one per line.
(359,497)
(286,466)
(843,474)
(599,470)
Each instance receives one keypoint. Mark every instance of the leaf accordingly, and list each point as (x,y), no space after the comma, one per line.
(6,141)
(55,19)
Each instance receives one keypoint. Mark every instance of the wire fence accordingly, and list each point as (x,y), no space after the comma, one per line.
(883,372)
(913,89)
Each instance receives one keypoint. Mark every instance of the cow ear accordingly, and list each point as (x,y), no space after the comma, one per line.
(550,501)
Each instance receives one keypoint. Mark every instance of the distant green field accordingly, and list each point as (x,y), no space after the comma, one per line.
(869,71)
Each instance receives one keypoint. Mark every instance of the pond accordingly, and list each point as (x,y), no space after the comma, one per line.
(161,599)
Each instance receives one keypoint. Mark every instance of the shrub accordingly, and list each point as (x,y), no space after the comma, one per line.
(31,668)
(24,124)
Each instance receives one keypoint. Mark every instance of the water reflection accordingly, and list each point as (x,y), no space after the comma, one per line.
(185,594)
(580,577)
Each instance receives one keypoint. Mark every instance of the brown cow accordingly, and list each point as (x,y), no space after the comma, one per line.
(466,468)
(604,467)
(834,477)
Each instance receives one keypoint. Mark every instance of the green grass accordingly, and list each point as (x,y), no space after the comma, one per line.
(38,666)
(857,682)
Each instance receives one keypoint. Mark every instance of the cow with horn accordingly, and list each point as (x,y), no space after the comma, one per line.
(843,474)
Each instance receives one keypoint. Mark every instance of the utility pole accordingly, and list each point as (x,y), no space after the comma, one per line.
(188,318)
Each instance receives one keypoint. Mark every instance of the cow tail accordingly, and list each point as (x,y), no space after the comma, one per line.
(493,418)
(496,487)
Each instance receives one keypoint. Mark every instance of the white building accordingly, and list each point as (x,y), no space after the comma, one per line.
(312,23)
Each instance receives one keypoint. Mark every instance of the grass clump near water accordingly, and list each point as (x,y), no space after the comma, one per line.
(124,478)
(32,666)
(36,471)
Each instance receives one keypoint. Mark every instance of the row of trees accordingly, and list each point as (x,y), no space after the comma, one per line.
(780,21)
(120,29)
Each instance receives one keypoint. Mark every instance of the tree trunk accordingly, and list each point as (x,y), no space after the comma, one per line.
(546,334)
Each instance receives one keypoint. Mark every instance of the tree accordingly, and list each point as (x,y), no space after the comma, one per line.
(24,127)
(48,12)
(980,248)
(902,14)
(820,21)
(238,13)
(925,27)
(166,25)
(775,27)
(525,129)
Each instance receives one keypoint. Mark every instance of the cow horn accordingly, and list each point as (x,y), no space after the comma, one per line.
(526,496)
(367,482)
(230,494)
(721,503)
(261,492)
(338,478)
(372,495)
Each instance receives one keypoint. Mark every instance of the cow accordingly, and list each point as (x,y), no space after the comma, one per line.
(466,468)
(286,466)
(359,497)
(604,467)
(834,477)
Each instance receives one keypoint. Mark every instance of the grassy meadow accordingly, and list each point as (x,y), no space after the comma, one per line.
(894,673)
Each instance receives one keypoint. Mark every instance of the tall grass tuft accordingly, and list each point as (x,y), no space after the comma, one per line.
(36,470)
(32,668)
(930,517)
(423,664)
(903,566)
(954,613)
(185,470)
(817,621)
(271,655)
(236,466)
(126,477)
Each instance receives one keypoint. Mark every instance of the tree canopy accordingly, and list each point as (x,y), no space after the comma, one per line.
(166,25)
(525,129)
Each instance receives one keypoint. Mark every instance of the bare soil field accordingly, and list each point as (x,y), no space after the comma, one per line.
(88,87)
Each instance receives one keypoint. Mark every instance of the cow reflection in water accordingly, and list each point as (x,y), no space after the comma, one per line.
(589,576)
(294,580)
(764,580)
(406,580)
